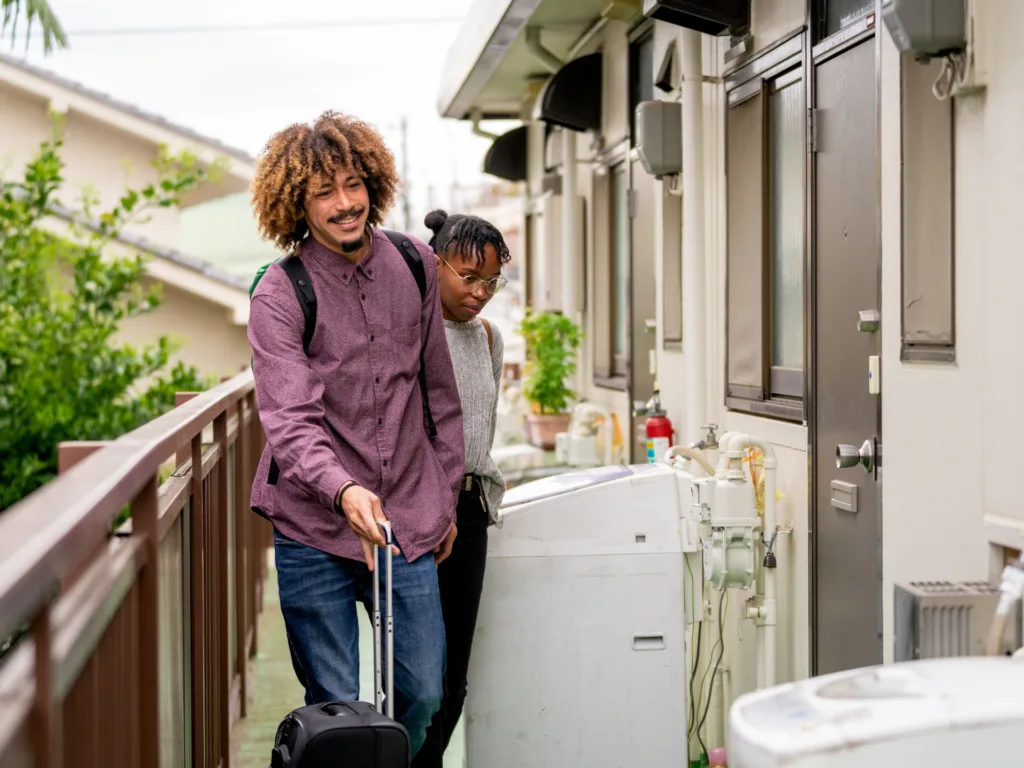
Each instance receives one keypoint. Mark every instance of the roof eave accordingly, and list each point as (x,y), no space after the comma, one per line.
(486,36)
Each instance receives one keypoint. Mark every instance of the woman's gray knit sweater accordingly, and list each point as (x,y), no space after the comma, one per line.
(478,373)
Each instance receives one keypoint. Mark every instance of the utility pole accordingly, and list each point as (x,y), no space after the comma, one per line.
(406,209)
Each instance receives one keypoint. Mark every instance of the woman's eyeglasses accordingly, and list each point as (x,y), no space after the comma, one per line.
(472,282)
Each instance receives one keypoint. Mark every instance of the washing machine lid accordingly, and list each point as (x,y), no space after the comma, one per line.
(573,480)
(844,710)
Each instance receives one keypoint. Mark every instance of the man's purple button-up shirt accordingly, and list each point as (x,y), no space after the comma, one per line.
(352,409)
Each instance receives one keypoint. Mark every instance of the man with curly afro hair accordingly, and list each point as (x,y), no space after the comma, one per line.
(347,444)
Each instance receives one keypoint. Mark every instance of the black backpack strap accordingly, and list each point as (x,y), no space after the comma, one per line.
(414,260)
(412,257)
(296,271)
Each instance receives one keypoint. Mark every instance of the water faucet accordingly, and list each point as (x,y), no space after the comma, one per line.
(709,441)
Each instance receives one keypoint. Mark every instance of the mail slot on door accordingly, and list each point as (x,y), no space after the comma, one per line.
(844,496)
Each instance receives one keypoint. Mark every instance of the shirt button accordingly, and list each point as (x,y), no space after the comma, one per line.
(385,462)
(379,422)
(377,380)
(362,296)
(371,337)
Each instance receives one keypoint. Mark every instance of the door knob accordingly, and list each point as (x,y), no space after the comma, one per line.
(868,320)
(849,456)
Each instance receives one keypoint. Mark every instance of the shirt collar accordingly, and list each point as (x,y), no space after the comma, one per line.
(337,264)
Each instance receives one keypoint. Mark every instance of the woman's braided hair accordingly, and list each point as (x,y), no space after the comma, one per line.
(465,235)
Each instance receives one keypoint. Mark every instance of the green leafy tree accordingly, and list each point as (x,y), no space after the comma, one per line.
(63,296)
(34,12)
(552,341)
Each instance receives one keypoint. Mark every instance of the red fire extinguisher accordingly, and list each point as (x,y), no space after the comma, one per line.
(660,433)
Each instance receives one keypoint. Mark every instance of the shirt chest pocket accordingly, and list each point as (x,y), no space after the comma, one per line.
(404,350)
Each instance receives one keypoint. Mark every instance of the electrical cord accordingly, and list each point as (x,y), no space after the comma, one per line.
(693,631)
(723,608)
(691,717)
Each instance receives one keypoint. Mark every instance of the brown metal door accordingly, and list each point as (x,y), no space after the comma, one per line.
(644,296)
(847,509)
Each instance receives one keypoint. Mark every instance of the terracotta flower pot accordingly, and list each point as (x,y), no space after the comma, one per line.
(544,427)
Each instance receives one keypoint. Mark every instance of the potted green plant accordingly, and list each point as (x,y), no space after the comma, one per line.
(552,342)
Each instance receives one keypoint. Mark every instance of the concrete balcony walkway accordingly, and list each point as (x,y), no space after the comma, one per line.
(275,691)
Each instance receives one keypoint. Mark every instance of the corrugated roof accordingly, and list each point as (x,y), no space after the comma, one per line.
(124,106)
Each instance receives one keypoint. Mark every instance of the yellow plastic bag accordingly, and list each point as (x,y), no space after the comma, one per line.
(755,465)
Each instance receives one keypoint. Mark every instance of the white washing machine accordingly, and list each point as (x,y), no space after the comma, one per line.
(943,713)
(579,658)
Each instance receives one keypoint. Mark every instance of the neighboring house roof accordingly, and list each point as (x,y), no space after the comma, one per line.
(228,291)
(175,268)
(66,94)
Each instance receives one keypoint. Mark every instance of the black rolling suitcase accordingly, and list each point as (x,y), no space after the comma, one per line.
(350,734)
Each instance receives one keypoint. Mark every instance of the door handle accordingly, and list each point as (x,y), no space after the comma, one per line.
(848,456)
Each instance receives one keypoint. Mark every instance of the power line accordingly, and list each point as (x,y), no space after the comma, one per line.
(278,26)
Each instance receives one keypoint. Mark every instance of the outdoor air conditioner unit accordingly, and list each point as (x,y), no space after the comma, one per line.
(943,619)
(712,17)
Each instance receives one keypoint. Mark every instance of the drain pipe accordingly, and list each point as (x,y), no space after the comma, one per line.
(570,227)
(694,350)
(765,615)
(476,116)
(540,53)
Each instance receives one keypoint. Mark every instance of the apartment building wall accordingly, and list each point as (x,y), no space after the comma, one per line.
(951,501)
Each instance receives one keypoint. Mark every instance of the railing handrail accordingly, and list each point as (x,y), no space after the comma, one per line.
(47,534)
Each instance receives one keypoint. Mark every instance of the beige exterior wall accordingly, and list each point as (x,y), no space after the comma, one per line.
(205,333)
(949,493)
(208,317)
(95,156)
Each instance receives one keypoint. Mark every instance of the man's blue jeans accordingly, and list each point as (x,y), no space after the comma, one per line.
(319,593)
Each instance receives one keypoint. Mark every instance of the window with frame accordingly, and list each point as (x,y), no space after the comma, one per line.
(619,316)
(766,197)
(928,313)
(612,276)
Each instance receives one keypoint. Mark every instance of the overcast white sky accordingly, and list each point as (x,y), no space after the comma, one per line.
(240,87)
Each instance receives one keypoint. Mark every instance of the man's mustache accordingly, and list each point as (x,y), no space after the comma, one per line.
(337,219)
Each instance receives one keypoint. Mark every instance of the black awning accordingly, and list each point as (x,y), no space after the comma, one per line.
(506,157)
(712,17)
(572,97)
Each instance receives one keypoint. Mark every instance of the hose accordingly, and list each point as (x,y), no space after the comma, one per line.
(1011,589)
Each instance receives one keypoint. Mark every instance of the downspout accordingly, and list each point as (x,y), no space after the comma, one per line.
(570,227)
(477,130)
(694,341)
(540,53)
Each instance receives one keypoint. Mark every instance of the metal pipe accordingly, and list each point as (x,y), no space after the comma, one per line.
(475,116)
(533,44)
(570,229)
(694,290)
(589,34)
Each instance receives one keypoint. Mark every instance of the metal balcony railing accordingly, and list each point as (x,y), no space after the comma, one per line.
(138,639)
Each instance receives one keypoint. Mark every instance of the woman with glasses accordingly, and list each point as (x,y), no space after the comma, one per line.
(470,253)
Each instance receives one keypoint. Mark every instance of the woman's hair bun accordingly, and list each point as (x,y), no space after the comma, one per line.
(435,220)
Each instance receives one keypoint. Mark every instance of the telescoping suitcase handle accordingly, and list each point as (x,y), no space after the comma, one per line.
(378,685)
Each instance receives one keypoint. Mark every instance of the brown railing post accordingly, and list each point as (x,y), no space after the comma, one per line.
(200,722)
(47,729)
(144,524)
(256,553)
(221,512)
(184,450)
(241,513)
